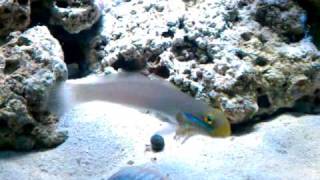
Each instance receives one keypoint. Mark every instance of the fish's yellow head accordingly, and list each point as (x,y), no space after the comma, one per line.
(219,122)
(212,122)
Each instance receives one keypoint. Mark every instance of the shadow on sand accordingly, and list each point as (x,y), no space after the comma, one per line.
(249,126)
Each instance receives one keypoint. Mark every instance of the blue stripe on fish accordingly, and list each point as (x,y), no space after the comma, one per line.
(191,118)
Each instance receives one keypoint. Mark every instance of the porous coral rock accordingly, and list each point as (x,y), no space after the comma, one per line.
(76,15)
(135,29)
(30,63)
(284,17)
(224,52)
(14,15)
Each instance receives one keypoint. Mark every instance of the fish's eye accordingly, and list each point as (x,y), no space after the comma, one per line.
(209,119)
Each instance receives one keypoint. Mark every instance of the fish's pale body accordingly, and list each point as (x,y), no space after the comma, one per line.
(137,90)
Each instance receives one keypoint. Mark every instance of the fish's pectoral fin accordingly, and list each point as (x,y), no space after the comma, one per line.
(180,131)
(183,134)
(185,138)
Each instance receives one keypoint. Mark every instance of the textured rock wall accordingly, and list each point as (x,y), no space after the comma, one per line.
(75,15)
(30,63)
(14,15)
(247,57)
(72,15)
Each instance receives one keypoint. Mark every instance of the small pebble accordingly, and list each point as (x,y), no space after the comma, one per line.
(157,143)
(154,159)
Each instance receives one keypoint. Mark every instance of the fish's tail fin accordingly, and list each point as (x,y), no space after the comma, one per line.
(60,99)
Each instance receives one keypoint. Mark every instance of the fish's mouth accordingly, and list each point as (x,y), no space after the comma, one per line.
(224,130)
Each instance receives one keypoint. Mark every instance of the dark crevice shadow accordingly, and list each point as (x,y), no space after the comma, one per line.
(306,105)
(75,47)
(313,22)
(250,125)
(10,154)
